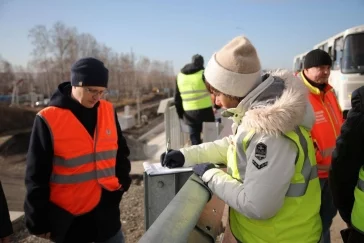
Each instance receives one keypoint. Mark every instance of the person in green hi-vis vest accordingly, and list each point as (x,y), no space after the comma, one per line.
(271,183)
(192,99)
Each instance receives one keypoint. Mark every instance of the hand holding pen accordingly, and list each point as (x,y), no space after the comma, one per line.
(172,158)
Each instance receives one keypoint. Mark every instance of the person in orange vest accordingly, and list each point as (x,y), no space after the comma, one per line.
(6,227)
(326,129)
(77,166)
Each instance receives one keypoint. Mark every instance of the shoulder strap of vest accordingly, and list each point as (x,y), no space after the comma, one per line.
(48,110)
(107,105)
(247,139)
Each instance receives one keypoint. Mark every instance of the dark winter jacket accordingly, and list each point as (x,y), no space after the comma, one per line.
(196,116)
(6,227)
(41,215)
(348,157)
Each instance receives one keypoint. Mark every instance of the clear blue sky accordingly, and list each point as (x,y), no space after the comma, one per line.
(175,30)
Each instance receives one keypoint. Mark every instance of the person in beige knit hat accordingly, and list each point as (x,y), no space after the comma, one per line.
(271,183)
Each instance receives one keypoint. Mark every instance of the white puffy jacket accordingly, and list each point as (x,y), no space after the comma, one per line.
(276,106)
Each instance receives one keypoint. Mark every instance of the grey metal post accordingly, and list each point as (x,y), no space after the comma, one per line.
(172,124)
(164,108)
(167,122)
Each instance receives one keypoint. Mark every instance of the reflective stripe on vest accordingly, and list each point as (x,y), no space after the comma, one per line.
(298,220)
(193,91)
(308,171)
(327,152)
(82,164)
(357,214)
(83,160)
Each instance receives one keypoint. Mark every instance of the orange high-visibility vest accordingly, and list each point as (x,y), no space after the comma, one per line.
(82,165)
(329,119)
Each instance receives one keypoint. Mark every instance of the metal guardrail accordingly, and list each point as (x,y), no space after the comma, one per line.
(190,217)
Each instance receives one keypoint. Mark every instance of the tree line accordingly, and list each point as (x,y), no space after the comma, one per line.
(57,47)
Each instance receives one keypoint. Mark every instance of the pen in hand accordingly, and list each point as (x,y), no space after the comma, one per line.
(167,148)
(167,145)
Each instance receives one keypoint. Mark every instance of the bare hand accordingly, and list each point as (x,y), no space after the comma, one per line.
(45,236)
(5,239)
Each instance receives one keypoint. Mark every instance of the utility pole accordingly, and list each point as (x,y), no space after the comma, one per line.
(15,94)
(137,90)
(138,105)
(32,94)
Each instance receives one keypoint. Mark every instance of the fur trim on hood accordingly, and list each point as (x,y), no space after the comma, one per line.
(277,105)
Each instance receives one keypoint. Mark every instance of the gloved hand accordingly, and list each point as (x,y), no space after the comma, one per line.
(200,169)
(173,159)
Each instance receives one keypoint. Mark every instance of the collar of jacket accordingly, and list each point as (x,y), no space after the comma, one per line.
(311,88)
(277,105)
(237,113)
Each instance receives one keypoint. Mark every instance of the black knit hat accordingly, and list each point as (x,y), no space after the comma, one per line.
(89,71)
(316,58)
(198,60)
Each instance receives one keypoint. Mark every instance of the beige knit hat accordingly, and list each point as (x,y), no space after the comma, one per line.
(235,69)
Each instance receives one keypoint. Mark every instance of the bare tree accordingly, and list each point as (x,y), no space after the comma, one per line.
(87,46)
(57,48)
(113,66)
(126,75)
(167,75)
(39,36)
(143,68)
(105,53)
(7,76)
(63,38)
(156,74)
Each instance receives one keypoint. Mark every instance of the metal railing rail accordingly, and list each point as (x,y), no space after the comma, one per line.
(180,221)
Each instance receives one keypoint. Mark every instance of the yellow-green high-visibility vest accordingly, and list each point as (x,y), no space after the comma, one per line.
(298,220)
(193,91)
(357,214)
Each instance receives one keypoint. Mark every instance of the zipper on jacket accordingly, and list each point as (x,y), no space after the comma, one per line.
(333,113)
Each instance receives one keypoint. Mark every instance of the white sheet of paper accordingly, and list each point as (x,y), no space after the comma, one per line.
(158,169)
